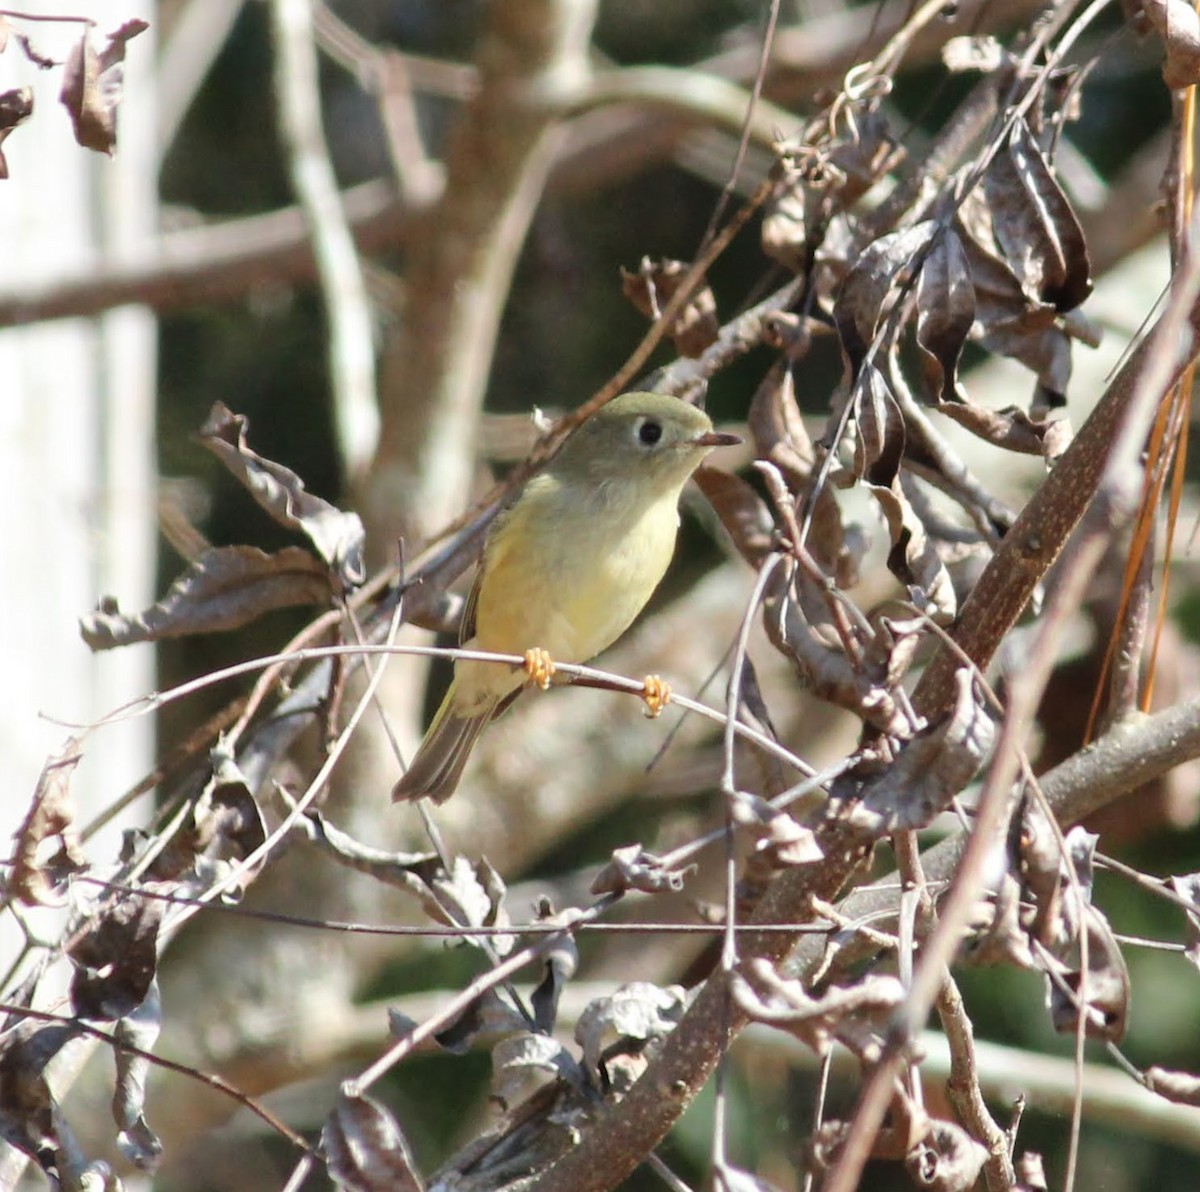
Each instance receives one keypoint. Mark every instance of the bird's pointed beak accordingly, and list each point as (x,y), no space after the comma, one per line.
(716,438)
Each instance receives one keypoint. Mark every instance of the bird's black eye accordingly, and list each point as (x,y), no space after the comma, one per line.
(649,432)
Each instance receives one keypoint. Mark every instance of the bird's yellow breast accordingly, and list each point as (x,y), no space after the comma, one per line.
(568,576)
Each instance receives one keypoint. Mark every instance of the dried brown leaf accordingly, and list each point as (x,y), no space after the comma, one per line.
(784,234)
(1009,321)
(33,55)
(824,668)
(633,868)
(561,963)
(1013,429)
(227,827)
(16,106)
(227,587)
(1178,24)
(483,1020)
(138,1029)
(1105,992)
(880,437)
(863,298)
(1187,886)
(116,957)
(30,1119)
(365,1148)
(777,428)
(93,82)
(945,314)
(879,451)
(743,513)
(615,1031)
(997,935)
(336,535)
(855,1015)
(947,1159)
(36,871)
(781,439)
(523,1064)
(652,287)
(466,895)
(1181,1087)
(779,841)
(1035,225)
(934,766)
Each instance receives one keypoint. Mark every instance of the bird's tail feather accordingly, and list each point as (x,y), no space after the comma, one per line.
(438,765)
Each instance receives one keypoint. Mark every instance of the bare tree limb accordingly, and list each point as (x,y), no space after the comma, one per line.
(351,348)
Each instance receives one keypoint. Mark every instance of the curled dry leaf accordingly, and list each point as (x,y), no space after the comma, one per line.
(46,846)
(743,513)
(933,767)
(779,841)
(855,1015)
(30,1119)
(485,1019)
(879,452)
(16,106)
(1187,886)
(1007,319)
(1013,429)
(136,1141)
(879,430)
(784,235)
(226,588)
(866,293)
(115,958)
(336,535)
(1031,1173)
(561,962)
(227,826)
(1181,1087)
(1105,992)
(621,1026)
(945,314)
(654,285)
(1059,921)
(1178,24)
(1035,858)
(997,934)
(633,868)
(823,667)
(857,161)
(777,428)
(465,896)
(93,83)
(365,1149)
(984,54)
(1034,224)
(947,1159)
(782,440)
(525,1063)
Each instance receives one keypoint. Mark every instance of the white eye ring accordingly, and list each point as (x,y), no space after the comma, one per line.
(648,431)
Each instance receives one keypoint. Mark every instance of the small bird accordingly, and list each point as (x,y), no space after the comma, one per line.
(568,566)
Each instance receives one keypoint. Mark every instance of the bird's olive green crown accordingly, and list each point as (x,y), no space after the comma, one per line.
(640,433)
